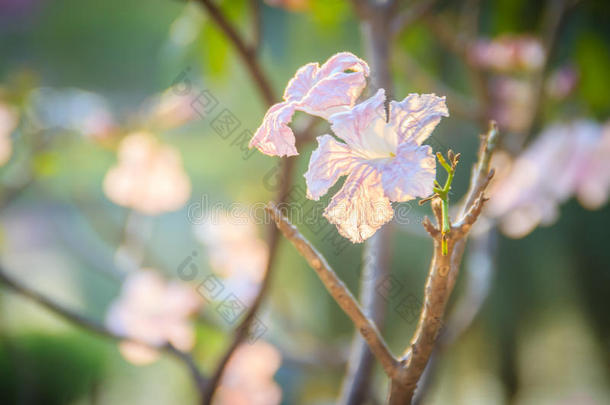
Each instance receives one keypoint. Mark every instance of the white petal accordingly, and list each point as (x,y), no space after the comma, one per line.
(274,137)
(328,162)
(360,207)
(415,117)
(364,128)
(410,174)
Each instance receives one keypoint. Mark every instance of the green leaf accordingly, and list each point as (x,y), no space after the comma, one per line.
(214,49)
(594,64)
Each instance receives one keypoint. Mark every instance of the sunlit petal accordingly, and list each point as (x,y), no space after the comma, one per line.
(328,163)
(363,127)
(415,117)
(320,91)
(360,207)
(410,174)
(274,137)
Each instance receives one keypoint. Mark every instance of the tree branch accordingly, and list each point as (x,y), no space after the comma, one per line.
(459,104)
(408,16)
(479,272)
(457,45)
(480,172)
(98,328)
(553,16)
(337,290)
(442,275)
(246,53)
(255,6)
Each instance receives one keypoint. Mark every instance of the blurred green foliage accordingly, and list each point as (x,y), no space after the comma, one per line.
(50,369)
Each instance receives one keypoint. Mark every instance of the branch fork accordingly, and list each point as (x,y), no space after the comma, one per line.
(449,243)
(338,290)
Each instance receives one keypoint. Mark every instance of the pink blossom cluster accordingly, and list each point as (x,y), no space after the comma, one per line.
(512,102)
(248,378)
(562,82)
(153,311)
(148,176)
(8,122)
(508,53)
(565,160)
(291,5)
(235,250)
(376,144)
(168,110)
(73,109)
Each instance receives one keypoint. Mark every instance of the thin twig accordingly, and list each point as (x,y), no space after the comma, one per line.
(459,104)
(553,16)
(431,229)
(98,328)
(468,23)
(255,7)
(244,51)
(337,289)
(480,171)
(458,46)
(10,194)
(410,15)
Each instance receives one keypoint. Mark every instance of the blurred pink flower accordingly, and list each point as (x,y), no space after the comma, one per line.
(98,125)
(320,91)
(170,110)
(291,5)
(588,170)
(73,109)
(512,103)
(383,159)
(508,53)
(8,122)
(565,160)
(561,82)
(248,378)
(153,311)
(148,177)
(236,252)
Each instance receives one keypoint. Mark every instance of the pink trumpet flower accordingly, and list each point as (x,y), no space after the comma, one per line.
(317,90)
(384,160)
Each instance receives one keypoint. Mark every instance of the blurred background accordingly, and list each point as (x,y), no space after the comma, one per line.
(113,156)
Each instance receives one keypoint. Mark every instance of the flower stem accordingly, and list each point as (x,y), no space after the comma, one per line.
(443,194)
